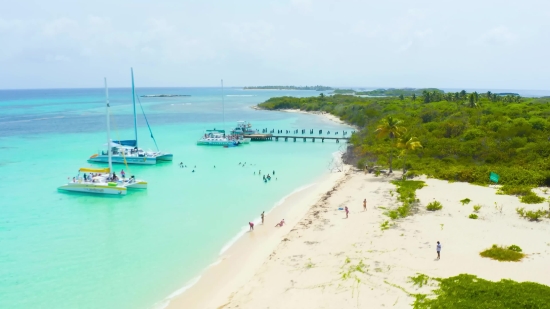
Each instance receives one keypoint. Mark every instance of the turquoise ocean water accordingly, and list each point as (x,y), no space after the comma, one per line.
(61,250)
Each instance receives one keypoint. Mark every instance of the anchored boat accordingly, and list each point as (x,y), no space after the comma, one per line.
(102,180)
(217,138)
(127,151)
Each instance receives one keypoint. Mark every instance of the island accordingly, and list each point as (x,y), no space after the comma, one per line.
(390,92)
(316,88)
(165,95)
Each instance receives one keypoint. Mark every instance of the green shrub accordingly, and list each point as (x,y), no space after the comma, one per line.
(385,225)
(377,173)
(407,196)
(534,215)
(469,291)
(465,201)
(515,248)
(472,216)
(500,253)
(393,214)
(514,190)
(419,279)
(521,211)
(433,206)
(477,208)
(532,198)
(531,214)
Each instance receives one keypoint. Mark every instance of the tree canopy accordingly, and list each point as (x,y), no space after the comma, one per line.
(464,136)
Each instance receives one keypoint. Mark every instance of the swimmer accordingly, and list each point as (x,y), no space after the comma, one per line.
(192,171)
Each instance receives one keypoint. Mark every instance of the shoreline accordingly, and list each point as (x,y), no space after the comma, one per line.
(239,259)
(330,261)
(325,115)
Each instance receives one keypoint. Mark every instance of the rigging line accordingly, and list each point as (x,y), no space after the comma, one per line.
(147,121)
(118,137)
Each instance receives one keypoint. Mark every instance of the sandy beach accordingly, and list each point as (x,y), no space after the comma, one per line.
(239,262)
(323,260)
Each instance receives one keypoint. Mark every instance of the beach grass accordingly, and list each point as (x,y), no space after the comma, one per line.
(469,291)
(503,254)
(435,205)
(473,216)
(407,196)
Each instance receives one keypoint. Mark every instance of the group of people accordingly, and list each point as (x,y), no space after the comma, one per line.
(251,224)
(96,177)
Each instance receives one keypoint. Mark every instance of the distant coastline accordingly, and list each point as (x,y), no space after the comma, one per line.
(316,88)
(165,95)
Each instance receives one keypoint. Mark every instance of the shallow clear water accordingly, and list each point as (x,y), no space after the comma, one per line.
(63,250)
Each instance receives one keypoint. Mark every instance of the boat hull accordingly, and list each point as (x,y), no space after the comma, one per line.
(165,157)
(94,188)
(140,184)
(120,160)
(215,143)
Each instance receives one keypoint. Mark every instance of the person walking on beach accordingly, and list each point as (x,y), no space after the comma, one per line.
(263,217)
(347,211)
(251,224)
(438,250)
(365,204)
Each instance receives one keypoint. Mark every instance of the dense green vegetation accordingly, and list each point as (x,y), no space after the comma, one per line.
(506,254)
(316,88)
(344,91)
(393,92)
(469,291)
(464,136)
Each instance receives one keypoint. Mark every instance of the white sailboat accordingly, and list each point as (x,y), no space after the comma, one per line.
(218,137)
(97,182)
(127,151)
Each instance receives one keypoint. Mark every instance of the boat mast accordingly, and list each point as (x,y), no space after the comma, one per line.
(134,103)
(223,108)
(108,127)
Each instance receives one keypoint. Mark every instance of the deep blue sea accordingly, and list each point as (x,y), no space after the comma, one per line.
(60,250)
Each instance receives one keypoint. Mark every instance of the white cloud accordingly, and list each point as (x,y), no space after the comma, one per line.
(60,26)
(500,35)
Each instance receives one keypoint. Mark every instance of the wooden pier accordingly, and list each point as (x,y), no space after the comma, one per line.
(271,137)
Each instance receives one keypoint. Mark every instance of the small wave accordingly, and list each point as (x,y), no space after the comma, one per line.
(35,119)
(257,220)
(165,302)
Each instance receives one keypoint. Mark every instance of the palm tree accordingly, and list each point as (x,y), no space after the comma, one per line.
(407,145)
(390,127)
(472,100)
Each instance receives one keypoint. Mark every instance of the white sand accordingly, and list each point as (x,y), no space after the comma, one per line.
(324,114)
(239,263)
(305,269)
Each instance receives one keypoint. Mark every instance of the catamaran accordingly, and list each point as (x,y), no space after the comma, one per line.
(95,181)
(127,151)
(218,137)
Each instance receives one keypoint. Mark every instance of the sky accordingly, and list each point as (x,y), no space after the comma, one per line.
(186,43)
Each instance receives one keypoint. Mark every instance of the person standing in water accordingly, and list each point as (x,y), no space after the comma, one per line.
(365,204)
(347,212)
(263,217)
(251,226)
(438,250)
